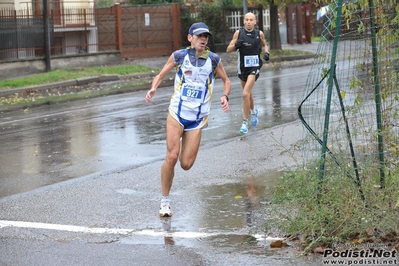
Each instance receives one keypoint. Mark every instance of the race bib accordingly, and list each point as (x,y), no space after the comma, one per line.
(251,61)
(192,94)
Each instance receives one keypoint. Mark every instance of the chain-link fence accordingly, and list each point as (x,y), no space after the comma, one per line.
(350,103)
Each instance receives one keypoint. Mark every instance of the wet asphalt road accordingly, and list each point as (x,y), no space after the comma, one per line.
(108,152)
(48,144)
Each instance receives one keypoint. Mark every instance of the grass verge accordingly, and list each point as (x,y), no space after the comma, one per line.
(70,94)
(324,212)
(68,74)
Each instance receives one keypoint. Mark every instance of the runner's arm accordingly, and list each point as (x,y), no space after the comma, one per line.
(231,47)
(158,78)
(221,72)
(263,42)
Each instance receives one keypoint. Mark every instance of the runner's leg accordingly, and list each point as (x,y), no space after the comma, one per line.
(189,149)
(173,133)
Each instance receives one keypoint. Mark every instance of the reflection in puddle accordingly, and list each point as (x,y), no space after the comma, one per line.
(232,220)
(245,244)
(238,206)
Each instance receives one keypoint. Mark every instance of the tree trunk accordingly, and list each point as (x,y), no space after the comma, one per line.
(275,40)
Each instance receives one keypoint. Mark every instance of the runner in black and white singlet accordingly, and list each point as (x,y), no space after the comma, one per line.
(190,103)
(249,43)
(248,60)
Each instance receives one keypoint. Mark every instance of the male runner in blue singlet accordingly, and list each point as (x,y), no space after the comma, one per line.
(249,43)
(190,103)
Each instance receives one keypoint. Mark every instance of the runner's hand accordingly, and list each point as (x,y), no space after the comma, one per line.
(266,56)
(149,95)
(225,103)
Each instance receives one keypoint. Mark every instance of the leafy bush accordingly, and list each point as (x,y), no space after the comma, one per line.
(213,16)
(186,20)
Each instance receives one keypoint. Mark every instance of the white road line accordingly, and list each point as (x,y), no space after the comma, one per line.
(61,227)
(117,231)
(92,230)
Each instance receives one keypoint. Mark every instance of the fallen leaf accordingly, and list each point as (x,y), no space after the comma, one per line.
(319,249)
(358,241)
(278,244)
(395,246)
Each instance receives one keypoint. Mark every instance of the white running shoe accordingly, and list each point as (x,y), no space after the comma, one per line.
(244,127)
(164,210)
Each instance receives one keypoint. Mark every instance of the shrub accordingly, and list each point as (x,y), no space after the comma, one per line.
(325,211)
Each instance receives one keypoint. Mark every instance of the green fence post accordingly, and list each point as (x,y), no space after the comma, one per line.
(330,84)
(377,92)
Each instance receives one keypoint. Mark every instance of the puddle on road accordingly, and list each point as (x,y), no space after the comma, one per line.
(237,206)
(229,229)
(232,221)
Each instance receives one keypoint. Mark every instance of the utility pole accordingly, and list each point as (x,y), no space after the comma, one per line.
(245,7)
(47,45)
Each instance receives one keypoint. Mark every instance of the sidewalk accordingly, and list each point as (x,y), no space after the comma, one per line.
(143,80)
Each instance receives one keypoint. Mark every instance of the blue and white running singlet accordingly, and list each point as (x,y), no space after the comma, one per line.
(193,89)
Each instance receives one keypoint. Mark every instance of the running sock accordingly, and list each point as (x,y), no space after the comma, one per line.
(165,198)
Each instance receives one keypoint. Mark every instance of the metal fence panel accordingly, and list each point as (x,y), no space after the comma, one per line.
(135,31)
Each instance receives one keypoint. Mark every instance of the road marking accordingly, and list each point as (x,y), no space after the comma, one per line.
(61,227)
(263,77)
(118,231)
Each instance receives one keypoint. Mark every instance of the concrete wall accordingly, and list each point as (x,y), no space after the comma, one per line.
(20,68)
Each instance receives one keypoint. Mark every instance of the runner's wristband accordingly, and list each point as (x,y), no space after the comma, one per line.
(227,97)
